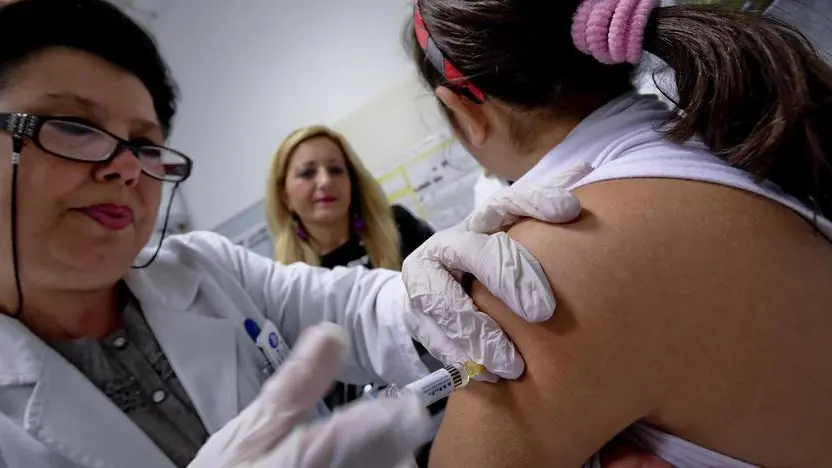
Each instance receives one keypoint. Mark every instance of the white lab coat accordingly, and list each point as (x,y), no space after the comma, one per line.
(195,297)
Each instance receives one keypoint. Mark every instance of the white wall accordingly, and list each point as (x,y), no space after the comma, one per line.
(252,71)
(386,129)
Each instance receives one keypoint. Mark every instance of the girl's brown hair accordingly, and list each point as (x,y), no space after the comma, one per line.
(750,86)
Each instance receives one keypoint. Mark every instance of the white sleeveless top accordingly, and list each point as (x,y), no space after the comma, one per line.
(620,141)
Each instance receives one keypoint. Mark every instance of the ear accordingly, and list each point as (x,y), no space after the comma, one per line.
(470,117)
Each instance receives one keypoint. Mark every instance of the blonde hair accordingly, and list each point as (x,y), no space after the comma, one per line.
(380,236)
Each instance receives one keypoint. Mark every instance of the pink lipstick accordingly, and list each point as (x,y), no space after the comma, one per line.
(115,217)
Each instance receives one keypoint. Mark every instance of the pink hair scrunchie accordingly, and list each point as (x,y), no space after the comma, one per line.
(612,31)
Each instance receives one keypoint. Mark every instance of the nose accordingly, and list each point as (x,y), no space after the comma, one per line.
(124,168)
(323,178)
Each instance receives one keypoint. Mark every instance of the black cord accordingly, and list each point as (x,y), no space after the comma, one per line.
(17,147)
(164,230)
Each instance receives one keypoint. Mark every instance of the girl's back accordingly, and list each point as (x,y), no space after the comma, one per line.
(700,310)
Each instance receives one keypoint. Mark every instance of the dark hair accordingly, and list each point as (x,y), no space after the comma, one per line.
(750,86)
(93,26)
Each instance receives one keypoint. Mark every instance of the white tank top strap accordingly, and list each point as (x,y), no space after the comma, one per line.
(697,165)
(621,141)
(679,452)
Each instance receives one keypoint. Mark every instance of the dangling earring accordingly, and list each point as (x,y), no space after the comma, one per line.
(358,222)
(301,233)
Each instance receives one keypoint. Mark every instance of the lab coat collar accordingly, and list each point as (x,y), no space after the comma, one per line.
(167,282)
(104,437)
(20,362)
(201,349)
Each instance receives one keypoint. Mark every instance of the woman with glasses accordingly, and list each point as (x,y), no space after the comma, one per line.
(112,358)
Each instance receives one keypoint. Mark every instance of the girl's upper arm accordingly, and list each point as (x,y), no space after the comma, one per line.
(601,363)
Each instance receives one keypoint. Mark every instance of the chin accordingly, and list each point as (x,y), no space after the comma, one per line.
(107,253)
(326,215)
(83,273)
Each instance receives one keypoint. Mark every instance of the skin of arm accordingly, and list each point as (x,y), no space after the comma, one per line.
(614,352)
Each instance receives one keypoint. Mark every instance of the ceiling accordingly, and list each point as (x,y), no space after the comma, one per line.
(144,10)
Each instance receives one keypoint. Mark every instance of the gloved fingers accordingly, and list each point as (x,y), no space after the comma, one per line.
(499,356)
(569,177)
(506,207)
(367,434)
(480,337)
(504,267)
(546,201)
(288,396)
(519,282)
(425,330)
(442,308)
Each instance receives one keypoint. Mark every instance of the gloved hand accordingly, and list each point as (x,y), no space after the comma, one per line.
(265,435)
(442,315)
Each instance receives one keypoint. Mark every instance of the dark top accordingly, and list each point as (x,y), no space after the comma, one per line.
(412,233)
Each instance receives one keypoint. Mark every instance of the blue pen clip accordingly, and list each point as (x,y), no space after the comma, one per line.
(253,331)
(275,349)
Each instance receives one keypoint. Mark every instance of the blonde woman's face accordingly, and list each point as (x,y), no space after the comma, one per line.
(318,187)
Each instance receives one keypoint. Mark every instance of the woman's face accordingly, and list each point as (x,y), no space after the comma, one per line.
(80,225)
(318,187)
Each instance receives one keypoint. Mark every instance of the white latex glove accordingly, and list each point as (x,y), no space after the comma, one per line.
(441,314)
(369,434)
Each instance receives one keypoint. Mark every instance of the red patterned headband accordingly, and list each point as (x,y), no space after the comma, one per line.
(439,62)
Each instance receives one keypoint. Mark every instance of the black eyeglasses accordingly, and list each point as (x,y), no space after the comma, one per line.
(69,138)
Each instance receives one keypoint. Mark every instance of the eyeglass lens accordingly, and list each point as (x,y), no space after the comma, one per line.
(84,143)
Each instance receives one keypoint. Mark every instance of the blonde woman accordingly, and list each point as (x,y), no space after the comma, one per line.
(324,208)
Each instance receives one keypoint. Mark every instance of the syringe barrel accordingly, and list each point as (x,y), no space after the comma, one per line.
(439,384)
(433,387)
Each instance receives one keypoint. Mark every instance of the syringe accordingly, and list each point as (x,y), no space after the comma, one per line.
(437,385)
